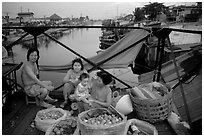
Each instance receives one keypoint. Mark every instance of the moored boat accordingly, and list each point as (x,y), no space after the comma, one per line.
(105,44)
(120,62)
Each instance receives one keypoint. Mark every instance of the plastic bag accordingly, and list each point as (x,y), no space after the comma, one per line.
(115,98)
(44,124)
(65,127)
(124,105)
(143,126)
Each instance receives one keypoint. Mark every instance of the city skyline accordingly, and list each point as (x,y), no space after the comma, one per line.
(95,10)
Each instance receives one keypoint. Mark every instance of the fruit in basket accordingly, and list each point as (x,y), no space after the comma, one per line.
(103,119)
(51,115)
(64,127)
(136,91)
(150,91)
(159,88)
(134,130)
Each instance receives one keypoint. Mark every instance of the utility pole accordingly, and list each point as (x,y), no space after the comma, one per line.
(117,13)
(7,17)
(44,18)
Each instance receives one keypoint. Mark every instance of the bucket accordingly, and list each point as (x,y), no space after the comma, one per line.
(124,105)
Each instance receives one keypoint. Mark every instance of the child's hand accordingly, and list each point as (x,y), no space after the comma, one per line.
(90,104)
(91,100)
(73,80)
(88,96)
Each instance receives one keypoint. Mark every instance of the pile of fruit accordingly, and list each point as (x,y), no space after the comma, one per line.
(51,115)
(64,127)
(102,119)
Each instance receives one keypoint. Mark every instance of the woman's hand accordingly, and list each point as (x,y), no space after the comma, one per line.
(92,100)
(50,88)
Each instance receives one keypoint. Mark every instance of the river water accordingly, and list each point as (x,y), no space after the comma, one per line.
(84,41)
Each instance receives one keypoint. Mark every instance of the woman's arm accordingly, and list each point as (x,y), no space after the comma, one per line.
(108,99)
(67,76)
(33,76)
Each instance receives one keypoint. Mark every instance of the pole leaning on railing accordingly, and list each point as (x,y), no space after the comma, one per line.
(181,86)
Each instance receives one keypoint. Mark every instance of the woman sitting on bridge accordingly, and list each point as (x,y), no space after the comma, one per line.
(71,80)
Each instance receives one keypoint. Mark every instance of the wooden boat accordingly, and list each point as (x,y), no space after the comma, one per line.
(110,35)
(105,45)
(29,39)
(190,71)
(108,40)
(153,24)
(20,120)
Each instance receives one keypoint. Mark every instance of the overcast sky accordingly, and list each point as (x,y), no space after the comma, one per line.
(95,10)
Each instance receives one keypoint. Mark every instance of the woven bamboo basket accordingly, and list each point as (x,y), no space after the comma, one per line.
(153,110)
(88,129)
(69,126)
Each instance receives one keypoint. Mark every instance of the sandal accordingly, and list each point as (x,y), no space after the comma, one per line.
(46,105)
(49,99)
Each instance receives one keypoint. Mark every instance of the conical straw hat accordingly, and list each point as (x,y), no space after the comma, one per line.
(124,105)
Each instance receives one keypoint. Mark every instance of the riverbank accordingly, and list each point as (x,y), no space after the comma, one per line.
(186,25)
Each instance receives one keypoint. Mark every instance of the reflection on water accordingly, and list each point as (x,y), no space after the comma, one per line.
(83,41)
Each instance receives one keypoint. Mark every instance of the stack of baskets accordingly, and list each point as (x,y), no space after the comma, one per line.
(153,110)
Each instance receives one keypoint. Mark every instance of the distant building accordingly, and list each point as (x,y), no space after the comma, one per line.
(187,13)
(25,17)
(82,19)
(127,17)
(55,18)
(162,17)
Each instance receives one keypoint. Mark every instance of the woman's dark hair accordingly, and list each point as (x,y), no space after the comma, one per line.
(31,50)
(83,76)
(106,78)
(79,61)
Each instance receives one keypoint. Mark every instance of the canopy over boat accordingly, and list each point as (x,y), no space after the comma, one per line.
(123,52)
(119,55)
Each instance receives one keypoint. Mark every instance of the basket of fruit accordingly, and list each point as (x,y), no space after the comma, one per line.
(63,127)
(152,102)
(47,117)
(139,127)
(101,121)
